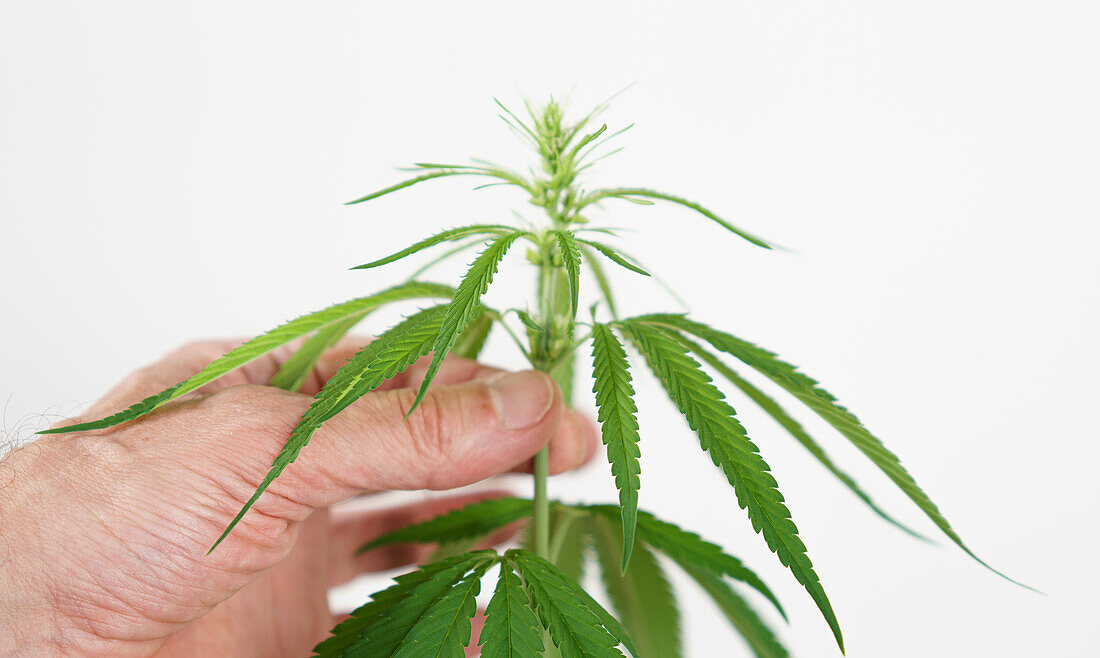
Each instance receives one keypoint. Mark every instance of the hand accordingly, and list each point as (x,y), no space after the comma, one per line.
(103,535)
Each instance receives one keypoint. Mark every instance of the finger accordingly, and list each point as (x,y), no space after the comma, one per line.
(350,530)
(187,360)
(478,622)
(459,435)
(574,444)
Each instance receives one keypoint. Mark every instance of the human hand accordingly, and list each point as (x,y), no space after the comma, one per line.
(104,534)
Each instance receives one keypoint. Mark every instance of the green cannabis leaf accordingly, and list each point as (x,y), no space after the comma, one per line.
(618,424)
(444,236)
(636,193)
(474,520)
(571,259)
(772,408)
(613,256)
(511,629)
(389,354)
(641,595)
(263,344)
(730,448)
(404,619)
(576,629)
(538,607)
(739,613)
(807,391)
(464,305)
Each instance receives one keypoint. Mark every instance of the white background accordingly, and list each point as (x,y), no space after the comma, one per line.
(171,171)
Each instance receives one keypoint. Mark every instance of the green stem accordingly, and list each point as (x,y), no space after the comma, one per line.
(542,504)
(556,316)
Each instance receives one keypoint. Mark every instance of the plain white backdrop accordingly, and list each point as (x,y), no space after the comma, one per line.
(171,171)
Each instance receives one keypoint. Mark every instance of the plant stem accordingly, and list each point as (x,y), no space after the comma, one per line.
(542,504)
(557,319)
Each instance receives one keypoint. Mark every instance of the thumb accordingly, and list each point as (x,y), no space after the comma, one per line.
(458,435)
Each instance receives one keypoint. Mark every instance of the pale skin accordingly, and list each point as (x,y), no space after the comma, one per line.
(103,535)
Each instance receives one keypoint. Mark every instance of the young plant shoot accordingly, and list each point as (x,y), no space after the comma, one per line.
(538,607)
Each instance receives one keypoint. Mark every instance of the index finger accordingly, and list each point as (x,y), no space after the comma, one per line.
(187,360)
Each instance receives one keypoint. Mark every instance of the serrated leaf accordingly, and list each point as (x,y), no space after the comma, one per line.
(292,374)
(573,533)
(348,632)
(261,345)
(730,448)
(773,409)
(740,614)
(504,175)
(511,629)
(642,596)
(391,626)
(613,256)
(447,254)
(571,259)
(618,419)
(444,629)
(473,520)
(807,391)
(471,341)
(576,629)
(389,354)
(443,236)
(632,193)
(464,305)
(683,545)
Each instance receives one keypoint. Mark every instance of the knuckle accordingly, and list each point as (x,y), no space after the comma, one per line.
(432,427)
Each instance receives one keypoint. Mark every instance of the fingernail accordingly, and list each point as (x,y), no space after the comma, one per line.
(522,398)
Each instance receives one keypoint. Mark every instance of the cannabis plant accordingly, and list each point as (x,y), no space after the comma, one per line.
(538,606)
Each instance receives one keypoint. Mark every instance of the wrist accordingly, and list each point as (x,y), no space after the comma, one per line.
(19,614)
(29,623)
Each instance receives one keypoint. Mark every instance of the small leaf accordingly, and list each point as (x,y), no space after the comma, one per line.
(511,629)
(576,629)
(389,354)
(261,345)
(474,520)
(760,638)
(618,425)
(772,408)
(632,193)
(807,391)
(443,236)
(571,258)
(642,596)
(347,633)
(725,439)
(529,322)
(464,305)
(613,256)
